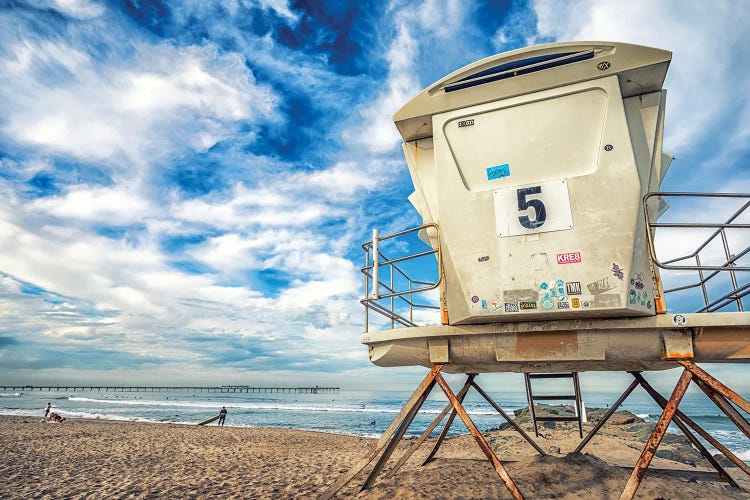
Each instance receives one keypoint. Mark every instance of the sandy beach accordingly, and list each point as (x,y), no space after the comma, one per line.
(105,459)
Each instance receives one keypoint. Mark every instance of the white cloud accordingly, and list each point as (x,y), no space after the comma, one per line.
(417,39)
(229,252)
(341,179)
(243,210)
(117,205)
(77,9)
(81,9)
(163,101)
(706,79)
(282,8)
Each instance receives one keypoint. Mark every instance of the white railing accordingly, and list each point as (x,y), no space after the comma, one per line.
(717,294)
(389,290)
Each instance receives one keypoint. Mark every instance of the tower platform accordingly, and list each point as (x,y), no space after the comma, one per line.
(628,344)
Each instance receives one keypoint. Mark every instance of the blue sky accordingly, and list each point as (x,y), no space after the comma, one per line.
(184,186)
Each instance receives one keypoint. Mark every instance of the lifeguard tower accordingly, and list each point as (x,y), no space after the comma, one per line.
(536,174)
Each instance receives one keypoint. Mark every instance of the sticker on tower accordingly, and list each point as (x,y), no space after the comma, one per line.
(569,258)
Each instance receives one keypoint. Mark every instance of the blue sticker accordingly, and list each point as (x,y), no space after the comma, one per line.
(498,172)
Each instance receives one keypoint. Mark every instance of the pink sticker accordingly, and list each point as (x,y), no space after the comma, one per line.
(569,258)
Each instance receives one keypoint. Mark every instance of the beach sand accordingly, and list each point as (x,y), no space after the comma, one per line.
(105,459)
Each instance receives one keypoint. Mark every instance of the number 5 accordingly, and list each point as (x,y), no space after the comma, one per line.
(539,210)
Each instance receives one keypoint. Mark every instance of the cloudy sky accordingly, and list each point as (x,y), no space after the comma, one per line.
(184,185)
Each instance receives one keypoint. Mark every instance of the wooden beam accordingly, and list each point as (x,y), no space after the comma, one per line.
(687,420)
(508,419)
(483,444)
(716,385)
(653,442)
(396,439)
(385,437)
(430,428)
(726,407)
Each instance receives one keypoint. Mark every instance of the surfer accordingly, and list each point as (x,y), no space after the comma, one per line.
(222,415)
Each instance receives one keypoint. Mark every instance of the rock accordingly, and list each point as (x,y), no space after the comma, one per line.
(624,418)
(595,414)
(685,454)
(554,449)
(724,461)
(641,430)
(522,412)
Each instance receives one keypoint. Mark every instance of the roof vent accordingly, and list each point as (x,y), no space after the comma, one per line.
(520,67)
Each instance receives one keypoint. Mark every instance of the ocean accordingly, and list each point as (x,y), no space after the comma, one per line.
(363,413)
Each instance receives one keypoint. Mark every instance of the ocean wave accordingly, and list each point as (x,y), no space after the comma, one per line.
(253,406)
(21,412)
(718,419)
(66,413)
(10,395)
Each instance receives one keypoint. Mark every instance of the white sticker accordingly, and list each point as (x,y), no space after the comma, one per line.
(536,208)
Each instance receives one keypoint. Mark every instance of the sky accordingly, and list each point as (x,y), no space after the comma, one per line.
(184,186)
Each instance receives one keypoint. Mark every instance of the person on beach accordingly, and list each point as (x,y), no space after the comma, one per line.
(47,410)
(222,415)
(54,417)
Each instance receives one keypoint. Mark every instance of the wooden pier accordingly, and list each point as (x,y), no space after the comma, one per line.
(135,388)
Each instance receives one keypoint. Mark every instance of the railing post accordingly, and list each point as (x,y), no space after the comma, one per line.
(702,280)
(730,264)
(393,302)
(367,291)
(411,303)
(375,259)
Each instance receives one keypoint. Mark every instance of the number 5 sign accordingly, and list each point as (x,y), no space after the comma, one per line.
(537,208)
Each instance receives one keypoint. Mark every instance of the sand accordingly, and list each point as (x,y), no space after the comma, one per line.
(104,459)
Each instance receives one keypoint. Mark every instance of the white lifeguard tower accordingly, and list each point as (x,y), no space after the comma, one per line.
(536,173)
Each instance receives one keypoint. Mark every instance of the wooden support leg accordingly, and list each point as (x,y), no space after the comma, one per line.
(508,419)
(717,386)
(483,444)
(726,407)
(723,474)
(606,416)
(661,401)
(688,421)
(396,439)
(441,437)
(422,389)
(461,394)
(653,442)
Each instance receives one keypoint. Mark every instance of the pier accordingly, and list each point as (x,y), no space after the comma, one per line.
(192,388)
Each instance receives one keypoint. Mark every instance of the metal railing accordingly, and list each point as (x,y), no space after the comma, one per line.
(728,263)
(387,304)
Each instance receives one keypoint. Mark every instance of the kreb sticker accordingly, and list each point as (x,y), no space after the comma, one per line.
(498,172)
(569,258)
